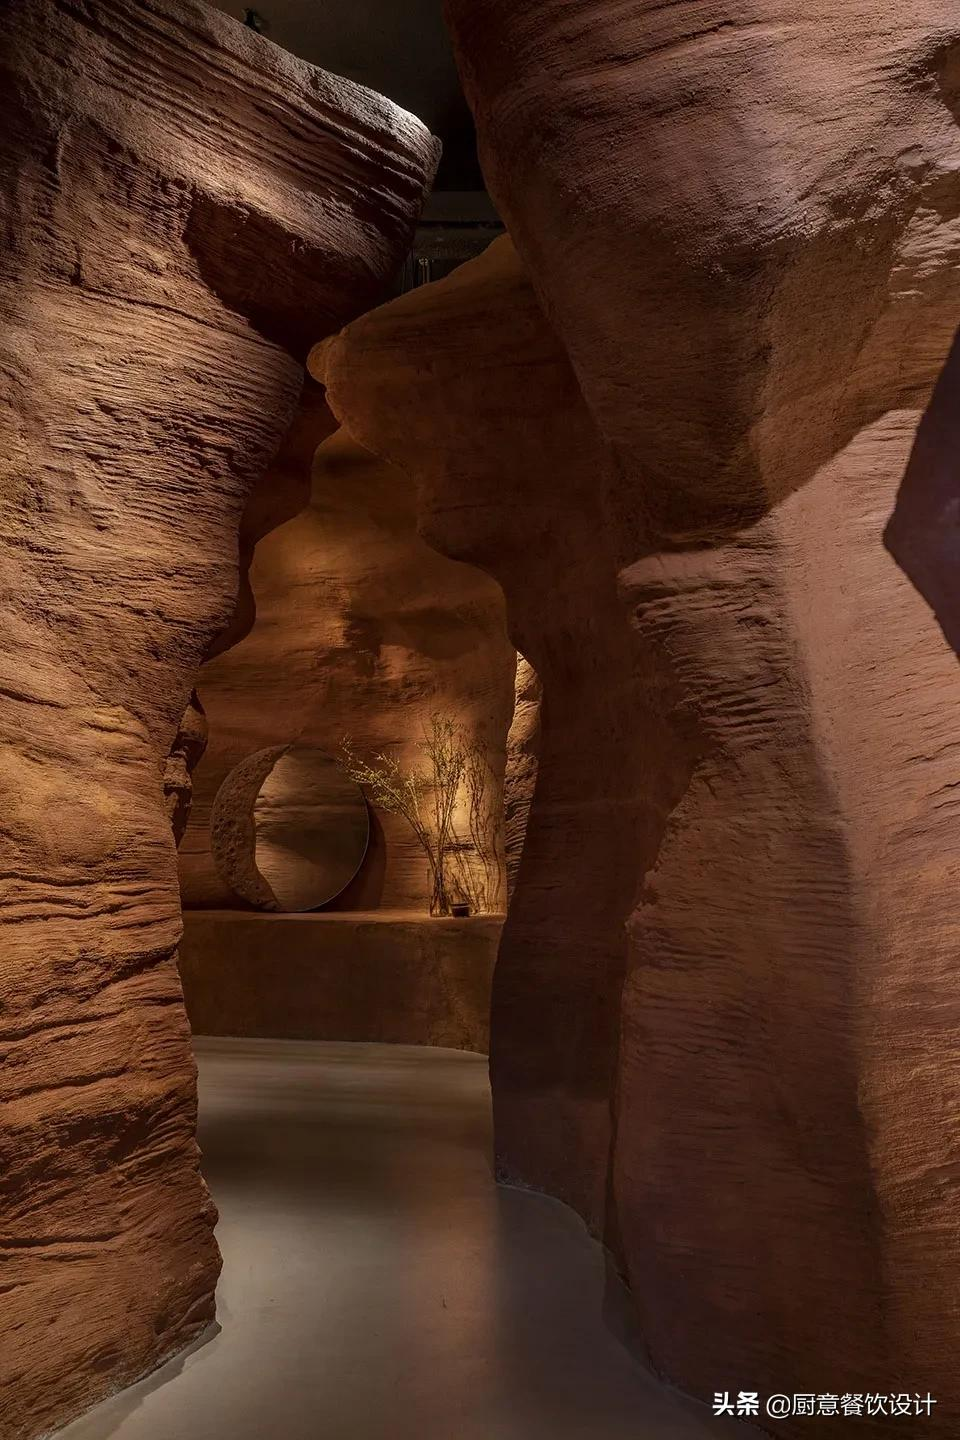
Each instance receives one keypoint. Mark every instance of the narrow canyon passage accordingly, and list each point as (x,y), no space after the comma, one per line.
(479,552)
(376,1282)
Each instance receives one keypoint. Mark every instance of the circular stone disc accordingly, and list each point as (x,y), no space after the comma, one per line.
(289,828)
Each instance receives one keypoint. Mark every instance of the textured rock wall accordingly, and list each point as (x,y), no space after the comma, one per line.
(520,776)
(188,746)
(776,732)
(181,206)
(360,629)
(747,239)
(512,477)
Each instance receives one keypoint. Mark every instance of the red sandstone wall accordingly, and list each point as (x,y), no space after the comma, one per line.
(709,1025)
(512,477)
(520,775)
(360,629)
(182,207)
(742,221)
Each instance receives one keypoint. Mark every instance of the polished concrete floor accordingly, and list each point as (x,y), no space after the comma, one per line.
(377,1285)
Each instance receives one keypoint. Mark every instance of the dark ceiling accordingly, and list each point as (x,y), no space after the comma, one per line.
(402,50)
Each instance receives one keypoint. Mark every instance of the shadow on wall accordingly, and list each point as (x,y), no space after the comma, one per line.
(365,891)
(923,533)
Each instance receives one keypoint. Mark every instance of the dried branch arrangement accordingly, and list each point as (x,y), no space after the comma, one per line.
(449,806)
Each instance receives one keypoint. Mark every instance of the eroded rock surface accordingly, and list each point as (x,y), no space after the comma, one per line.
(182,206)
(512,476)
(747,243)
(188,745)
(711,1029)
(361,630)
(520,777)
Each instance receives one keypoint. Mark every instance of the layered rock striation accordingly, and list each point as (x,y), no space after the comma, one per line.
(182,207)
(512,477)
(743,223)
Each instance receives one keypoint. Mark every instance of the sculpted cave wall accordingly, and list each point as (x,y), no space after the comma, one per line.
(513,477)
(355,627)
(700,450)
(724,1011)
(360,630)
(520,774)
(184,208)
(747,240)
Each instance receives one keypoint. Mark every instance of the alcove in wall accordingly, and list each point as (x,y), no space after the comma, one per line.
(353,637)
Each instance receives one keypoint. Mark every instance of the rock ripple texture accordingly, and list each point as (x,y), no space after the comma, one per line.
(183,208)
(742,221)
(742,218)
